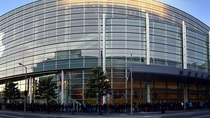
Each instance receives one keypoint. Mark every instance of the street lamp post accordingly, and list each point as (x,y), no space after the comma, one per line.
(131,86)
(25,86)
(97,97)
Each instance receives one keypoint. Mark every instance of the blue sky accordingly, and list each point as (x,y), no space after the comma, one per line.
(197,8)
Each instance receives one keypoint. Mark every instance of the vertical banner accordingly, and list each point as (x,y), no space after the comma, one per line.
(30,90)
(62,86)
(184,47)
(28,87)
(60,83)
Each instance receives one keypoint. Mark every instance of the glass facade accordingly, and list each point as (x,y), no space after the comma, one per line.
(54,35)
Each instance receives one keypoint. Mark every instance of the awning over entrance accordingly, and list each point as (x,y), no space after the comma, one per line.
(147,72)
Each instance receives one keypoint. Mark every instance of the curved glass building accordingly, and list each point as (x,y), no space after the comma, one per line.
(66,38)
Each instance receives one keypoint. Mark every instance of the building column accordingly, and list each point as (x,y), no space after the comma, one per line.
(33,92)
(186,87)
(83,86)
(148,92)
(35,83)
(177,89)
(104,50)
(184,47)
(30,89)
(70,86)
(197,93)
(112,92)
(1,45)
(99,42)
(147,39)
(209,53)
(140,92)
(207,92)
(1,35)
(62,86)
(153,91)
(104,44)
(58,84)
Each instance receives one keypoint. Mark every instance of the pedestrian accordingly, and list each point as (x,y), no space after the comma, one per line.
(78,107)
(59,107)
(182,105)
(96,107)
(162,107)
(87,107)
(139,106)
(75,107)
(190,106)
(135,107)
(48,107)
(62,107)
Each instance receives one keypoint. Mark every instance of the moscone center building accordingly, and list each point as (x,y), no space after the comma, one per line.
(164,49)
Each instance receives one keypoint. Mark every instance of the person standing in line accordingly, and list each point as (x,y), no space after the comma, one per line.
(87,107)
(82,108)
(135,107)
(162,107)
(182,105)
(190,106)
(75,107)
(78,107)
(96,107)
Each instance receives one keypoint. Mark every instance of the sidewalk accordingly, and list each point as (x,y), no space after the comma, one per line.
(114,115)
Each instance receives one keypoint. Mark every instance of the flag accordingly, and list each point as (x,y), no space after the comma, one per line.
(60,83)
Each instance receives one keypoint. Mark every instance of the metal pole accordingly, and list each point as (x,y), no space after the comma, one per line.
(131,88)
(25,90)
(97,97)
(25,87)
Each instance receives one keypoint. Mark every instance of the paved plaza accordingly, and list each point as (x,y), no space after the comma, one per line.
(169,114)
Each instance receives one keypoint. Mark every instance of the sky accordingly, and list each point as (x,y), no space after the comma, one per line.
(197,8)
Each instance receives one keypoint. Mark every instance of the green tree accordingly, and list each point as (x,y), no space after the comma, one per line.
(11,92)
(46,89)
(97,84)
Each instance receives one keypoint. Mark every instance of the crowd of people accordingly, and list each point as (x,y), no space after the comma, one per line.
(113,108)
